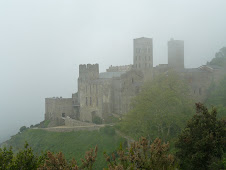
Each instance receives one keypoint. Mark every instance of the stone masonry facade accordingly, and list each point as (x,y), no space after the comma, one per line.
(109,93)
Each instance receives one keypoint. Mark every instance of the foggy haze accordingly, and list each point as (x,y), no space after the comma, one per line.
(42,44)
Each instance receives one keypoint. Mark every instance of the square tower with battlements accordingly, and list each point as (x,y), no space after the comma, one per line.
(142,53)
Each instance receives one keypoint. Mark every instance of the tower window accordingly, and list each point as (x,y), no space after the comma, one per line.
(90,101)
(63,114)
(86,101)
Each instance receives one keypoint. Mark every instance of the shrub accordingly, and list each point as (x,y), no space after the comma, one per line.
(143,155)
(97,120)
(23,128)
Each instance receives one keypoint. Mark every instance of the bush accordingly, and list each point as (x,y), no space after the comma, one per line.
(23,128)
(97,120)
(43,124)
(58,161)
(143,155)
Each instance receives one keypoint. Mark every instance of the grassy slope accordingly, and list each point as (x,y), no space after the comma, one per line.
(72,144)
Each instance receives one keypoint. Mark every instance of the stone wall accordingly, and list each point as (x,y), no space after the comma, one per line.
(71,122)
(131,83)
(55,108)
(94,95)
(119,68)
(103,94)
(199,81)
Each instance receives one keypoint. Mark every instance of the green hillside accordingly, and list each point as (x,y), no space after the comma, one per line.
(72,144)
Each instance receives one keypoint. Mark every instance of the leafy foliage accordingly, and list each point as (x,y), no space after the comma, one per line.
(55,162)
(217,94)
(6,158)
(217,97)
(220,58)
(160,110)
(97,120)
(43,124)
(202,143)
(23,128)
(142,155)
(24,159)
(90,158)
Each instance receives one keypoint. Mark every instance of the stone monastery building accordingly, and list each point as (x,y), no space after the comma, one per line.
(109,93)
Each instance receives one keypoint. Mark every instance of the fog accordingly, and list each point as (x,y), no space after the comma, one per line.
(42,44)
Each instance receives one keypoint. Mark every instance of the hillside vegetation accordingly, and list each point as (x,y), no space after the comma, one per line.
(217,91)
(200,145)
(160,110)
(72,144)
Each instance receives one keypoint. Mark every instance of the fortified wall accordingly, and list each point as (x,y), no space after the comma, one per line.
(56,108)
(101,95)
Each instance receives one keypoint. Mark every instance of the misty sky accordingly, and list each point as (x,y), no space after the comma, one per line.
(43,42)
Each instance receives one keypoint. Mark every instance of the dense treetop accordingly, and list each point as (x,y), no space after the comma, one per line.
(160,110)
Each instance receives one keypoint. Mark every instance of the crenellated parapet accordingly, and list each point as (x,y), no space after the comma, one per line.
(89,71)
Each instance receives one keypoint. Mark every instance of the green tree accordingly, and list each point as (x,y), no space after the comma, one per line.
(217,94)
(160,110)
(23,128)
(26,160)
(217,97)
(220,58)
(217,91)
(6,158)
(202,142)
